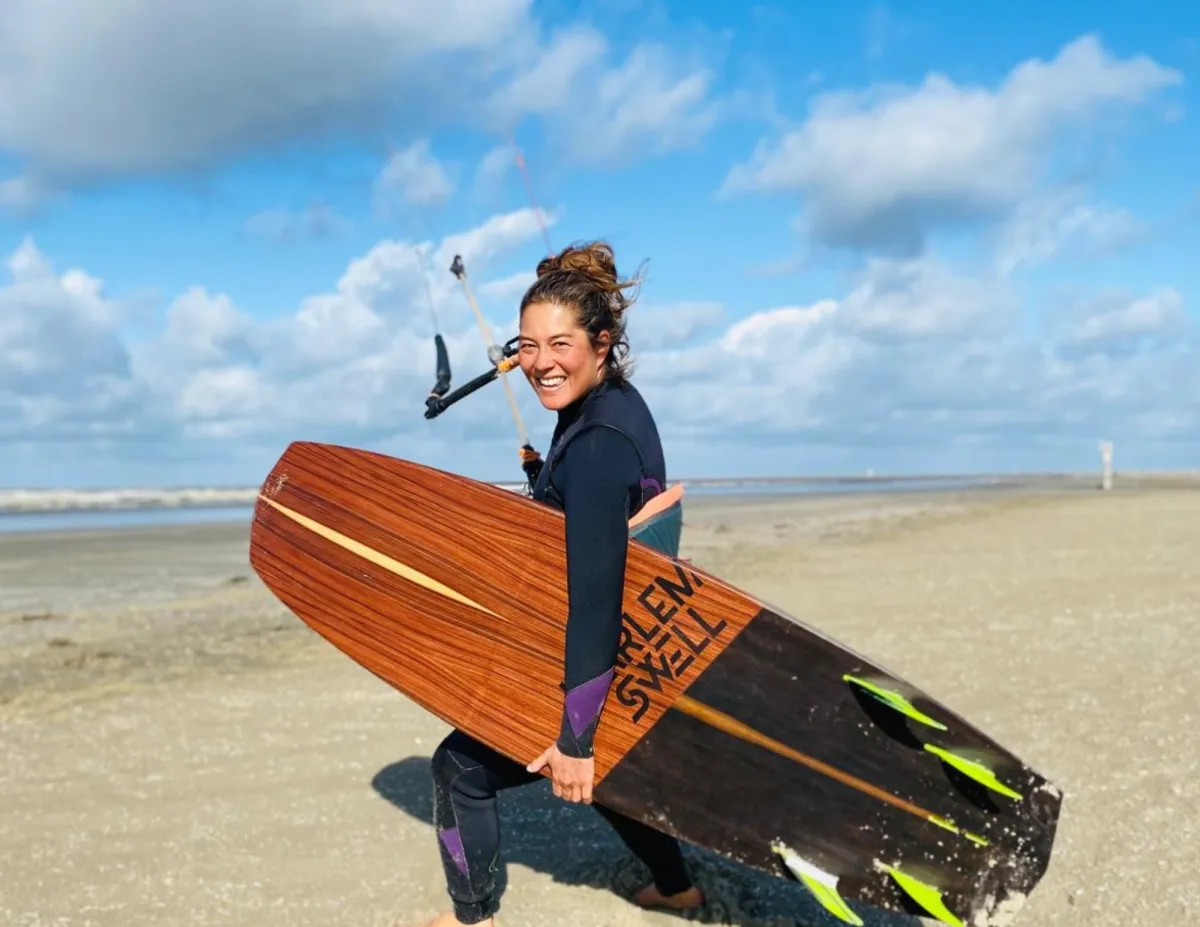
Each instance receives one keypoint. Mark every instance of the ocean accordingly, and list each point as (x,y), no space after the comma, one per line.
(84,510)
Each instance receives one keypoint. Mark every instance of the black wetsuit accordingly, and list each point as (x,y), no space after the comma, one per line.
(605,462)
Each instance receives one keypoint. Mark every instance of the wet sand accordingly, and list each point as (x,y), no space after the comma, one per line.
(179,749)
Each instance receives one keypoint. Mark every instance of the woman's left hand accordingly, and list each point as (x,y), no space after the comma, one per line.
(571,778)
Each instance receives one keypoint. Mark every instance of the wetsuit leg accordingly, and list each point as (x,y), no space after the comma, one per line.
(660,852)
(467,775)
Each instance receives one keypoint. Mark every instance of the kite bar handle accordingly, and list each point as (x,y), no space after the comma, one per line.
(436,405)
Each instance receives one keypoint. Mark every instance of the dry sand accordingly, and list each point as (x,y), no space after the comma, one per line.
(178,749)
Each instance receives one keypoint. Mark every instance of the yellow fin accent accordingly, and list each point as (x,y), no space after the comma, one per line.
(895,700)
(976,771)
(822,884)
(925,895)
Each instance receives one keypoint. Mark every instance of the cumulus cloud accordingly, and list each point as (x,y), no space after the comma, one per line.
(883,168)
(649,102)
(142,88)
(923,300)
(354,360)
(656,100)
(914,353)
(911,354)
(64,369)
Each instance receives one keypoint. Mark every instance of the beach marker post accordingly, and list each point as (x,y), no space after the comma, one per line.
(1106,454)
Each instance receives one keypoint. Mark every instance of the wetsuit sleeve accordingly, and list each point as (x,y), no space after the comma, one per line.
(594,481)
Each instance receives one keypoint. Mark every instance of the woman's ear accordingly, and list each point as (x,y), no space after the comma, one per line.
(602,346)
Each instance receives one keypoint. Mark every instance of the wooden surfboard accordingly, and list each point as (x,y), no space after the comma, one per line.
(729,724)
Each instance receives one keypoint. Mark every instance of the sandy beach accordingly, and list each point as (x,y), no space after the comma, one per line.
(180,750)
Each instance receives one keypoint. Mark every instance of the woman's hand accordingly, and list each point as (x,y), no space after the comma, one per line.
(571,778)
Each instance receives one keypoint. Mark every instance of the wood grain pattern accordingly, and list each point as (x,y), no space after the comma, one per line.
(503,554)
(729,724)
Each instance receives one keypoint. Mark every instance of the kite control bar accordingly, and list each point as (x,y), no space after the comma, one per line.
(436,404)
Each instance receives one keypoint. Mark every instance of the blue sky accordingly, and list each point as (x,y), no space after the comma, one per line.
(906,238)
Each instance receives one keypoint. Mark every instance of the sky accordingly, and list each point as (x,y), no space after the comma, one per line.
(917,238)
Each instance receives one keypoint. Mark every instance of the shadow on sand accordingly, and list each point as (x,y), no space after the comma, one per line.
(575,846)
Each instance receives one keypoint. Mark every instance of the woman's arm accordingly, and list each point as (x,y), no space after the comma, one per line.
(594,481)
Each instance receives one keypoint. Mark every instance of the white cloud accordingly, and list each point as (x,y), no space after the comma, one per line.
(648,102)
(63,368)
(1060,224)
(923,300)
(414,177)
(883,167)
(912,355)
(1117,323)
(357,357)
(548,83)
(657,100)
(141,88)
(915,354)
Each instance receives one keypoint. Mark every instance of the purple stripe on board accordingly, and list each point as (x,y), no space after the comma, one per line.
(584,702)
(452,841)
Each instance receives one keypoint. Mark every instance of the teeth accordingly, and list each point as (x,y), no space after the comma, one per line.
(551,382)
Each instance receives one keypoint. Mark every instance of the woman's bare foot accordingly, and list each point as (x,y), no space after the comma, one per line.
(651,897)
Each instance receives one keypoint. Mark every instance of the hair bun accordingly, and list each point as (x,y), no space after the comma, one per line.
(594,261)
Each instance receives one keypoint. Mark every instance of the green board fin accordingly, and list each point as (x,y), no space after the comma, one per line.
(976,771)
(925,895)
(823,885)
(895,701)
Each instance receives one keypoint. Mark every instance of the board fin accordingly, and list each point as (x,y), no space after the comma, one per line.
(927,896)
(894,700)
(822,884)
(974,770)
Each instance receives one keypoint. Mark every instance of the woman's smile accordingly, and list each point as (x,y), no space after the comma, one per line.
(551,382)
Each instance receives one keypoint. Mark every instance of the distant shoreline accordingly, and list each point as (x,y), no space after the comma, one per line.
(67,501)
(36,510)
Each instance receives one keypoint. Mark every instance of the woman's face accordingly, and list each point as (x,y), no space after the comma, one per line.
(556,355)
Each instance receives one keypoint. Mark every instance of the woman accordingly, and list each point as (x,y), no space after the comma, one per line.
(605,461)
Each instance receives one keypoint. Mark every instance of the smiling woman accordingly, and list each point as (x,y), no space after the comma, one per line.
(573,325)
(604,464)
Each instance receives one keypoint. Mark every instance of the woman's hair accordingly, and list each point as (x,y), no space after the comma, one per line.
(584,278)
